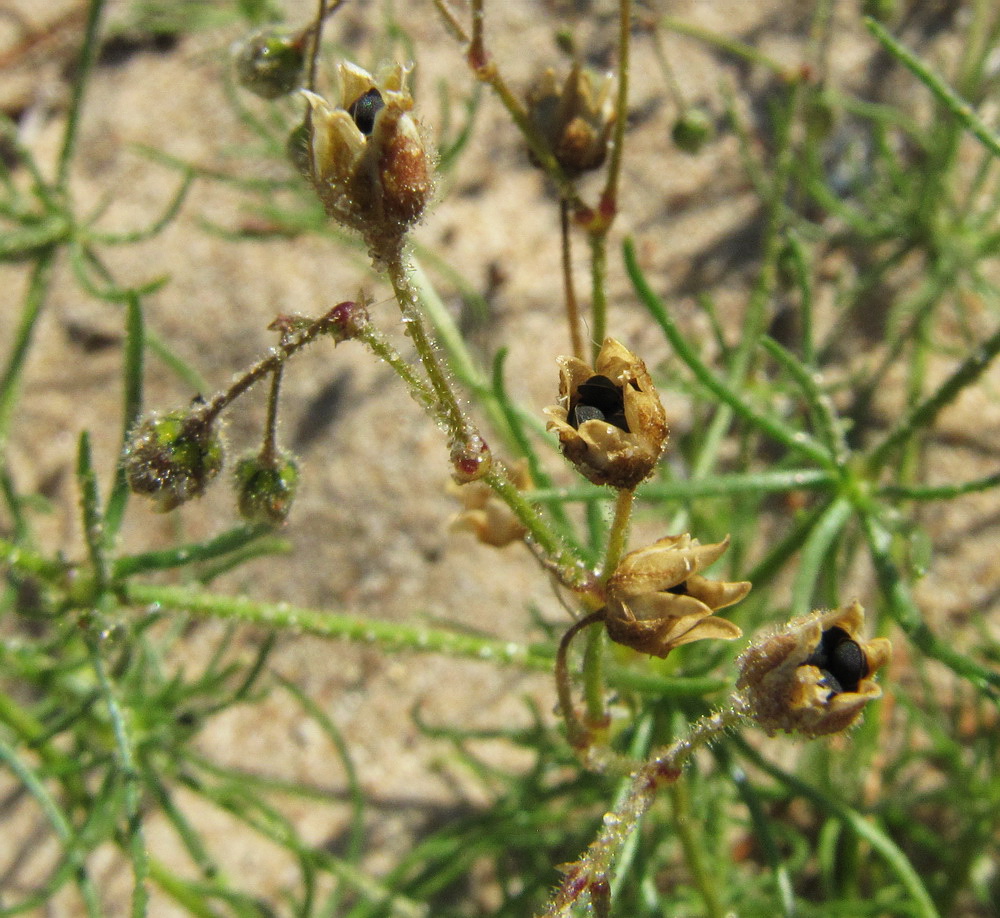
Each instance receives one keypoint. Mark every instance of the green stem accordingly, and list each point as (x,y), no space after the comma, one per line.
(723,485)
(323,325)
(449,413)
(379,345)
(576,733)
(594,690)
(908,616)
(598,291)
(664,767)
(730,46)
(815,556)
(600,224)
(269,451)
(932,492)
(609,199)
(389,635)
(618,537)
(555,551)
(569,292)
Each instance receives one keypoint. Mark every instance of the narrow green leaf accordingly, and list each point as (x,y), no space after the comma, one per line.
(947,96)
(132,386)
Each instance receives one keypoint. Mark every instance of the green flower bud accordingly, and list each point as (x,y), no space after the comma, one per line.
(692,130)
(173,457)
(270,62)
(265,488)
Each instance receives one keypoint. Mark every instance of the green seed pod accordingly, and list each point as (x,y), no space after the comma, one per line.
(265,488)
(270,62)
(173,457)
(692,130)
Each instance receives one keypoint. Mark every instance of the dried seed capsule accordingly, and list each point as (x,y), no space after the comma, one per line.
(814,676)
(609,419)
(658,600)
(369,164)
(576,119)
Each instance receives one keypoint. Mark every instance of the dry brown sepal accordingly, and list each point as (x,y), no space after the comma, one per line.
(610,421)
(369,164)
(486,515)
(813,677)
(658,600)
(575,119)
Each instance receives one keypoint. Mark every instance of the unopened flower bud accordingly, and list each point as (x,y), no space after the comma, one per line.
(609,418)
(575,119)
(658,599)
(349,319)
(369,164)
(265,488)
(814,676)
(270,62)
(471,459)
(692,130)
(173,457)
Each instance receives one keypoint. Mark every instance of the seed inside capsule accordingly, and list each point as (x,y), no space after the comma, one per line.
(364,109)
(840,660)
(599,399)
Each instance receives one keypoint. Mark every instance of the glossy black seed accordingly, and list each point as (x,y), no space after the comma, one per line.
(364,109)
(678,589)
(602,393)
(840,658)
(849,663)
(583,413)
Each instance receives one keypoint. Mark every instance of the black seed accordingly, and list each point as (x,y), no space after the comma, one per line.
(840,658)
(583,413)
(831,682)
(364,109)
(849,663)
(819,657)
(619,420)
(602,393)
(678,589)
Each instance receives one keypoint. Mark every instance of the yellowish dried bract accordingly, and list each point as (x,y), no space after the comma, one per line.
(658,599)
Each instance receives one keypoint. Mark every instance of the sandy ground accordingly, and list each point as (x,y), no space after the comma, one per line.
(369,531)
